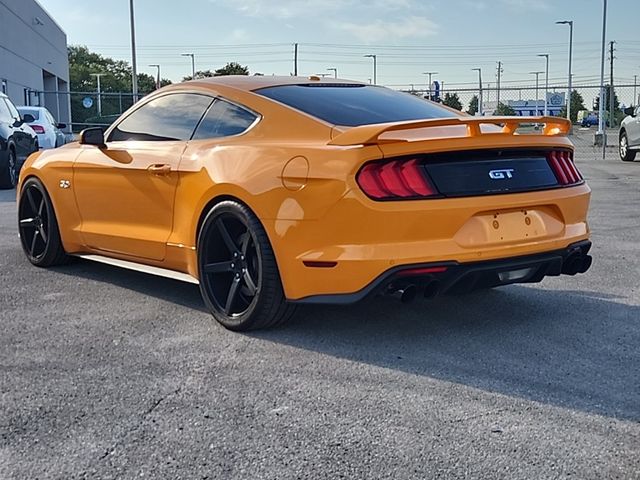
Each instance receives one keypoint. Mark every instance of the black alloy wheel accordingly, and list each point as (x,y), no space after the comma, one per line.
(9,175)
(38,226)
(239,278)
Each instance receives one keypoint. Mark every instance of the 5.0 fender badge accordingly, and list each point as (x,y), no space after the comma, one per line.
(65,184)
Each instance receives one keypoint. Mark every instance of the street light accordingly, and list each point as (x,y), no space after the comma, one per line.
(134,68)
(635,97)
(479,70)
(98,75)
(546,82)
(570,23)
(335,72)
(193,64)
(429,73)
(537,98)
(157,75)
(375,68)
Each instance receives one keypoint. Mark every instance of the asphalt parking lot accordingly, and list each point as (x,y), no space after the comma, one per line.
(106,373)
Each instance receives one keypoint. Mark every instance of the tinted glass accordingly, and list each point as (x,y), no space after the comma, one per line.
(171,117)
(224,119)
(31,111)
(353,105)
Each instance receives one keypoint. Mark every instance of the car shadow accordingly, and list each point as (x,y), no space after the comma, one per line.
(573,349)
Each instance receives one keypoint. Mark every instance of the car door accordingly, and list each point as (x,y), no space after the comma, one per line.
(633,129)
(125,191)
(22,136)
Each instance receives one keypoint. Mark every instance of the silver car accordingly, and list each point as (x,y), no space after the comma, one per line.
(630,134)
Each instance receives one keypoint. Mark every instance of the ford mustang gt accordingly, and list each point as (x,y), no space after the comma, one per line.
(270,192)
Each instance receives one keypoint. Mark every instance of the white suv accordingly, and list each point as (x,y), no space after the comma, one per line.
(630,134)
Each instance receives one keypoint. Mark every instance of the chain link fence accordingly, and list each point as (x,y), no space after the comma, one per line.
(90,109)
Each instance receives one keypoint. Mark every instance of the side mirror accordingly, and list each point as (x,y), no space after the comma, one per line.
(61,125)
(28,118)
(630,111)
(92,136)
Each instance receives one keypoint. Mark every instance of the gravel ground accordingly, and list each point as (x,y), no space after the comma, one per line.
(107,374)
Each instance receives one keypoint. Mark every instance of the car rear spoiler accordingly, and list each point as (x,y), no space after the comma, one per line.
(369,134)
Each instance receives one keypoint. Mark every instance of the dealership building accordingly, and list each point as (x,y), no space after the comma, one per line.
(34,66)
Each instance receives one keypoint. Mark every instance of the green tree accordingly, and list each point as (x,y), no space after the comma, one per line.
(504,110)
(577,104)
(473,105)
(115,83)
(232,68)
(199,74)
(452,100)
(617,113)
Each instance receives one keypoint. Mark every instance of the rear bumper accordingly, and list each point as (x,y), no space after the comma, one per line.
(442,278)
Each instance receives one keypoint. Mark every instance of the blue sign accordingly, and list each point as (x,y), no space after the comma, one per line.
(87,102)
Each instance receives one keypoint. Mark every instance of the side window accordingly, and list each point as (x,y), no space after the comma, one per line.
(223,120)
(5,115)
(12,109)
(170,117)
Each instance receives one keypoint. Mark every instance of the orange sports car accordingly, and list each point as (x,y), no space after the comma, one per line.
(275,191)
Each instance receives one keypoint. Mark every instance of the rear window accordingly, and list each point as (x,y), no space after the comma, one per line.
(353,105)
(33,112)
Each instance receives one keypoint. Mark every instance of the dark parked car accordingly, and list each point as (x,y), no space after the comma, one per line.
(17,142)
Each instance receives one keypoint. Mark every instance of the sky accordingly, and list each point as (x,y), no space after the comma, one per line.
(409,37)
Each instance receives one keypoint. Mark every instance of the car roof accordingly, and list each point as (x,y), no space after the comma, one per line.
(250,83)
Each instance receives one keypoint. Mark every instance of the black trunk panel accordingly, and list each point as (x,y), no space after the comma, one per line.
(489,172)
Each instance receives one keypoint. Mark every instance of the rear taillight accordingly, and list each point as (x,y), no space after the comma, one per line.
(395,179)
(561,162)
(37,128)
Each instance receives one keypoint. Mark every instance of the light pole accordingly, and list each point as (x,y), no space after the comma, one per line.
(537,98)
(193,64)
(375,68)
(635,82)
(479,70)
(546,82)
(98,75)
(570,23)
(429,86)
(601,135)
(157,75)
(134,68)
(335,72)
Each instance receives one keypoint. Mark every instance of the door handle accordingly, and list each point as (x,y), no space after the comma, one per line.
(160,169)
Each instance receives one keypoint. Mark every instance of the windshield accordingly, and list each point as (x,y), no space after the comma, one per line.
(31,111)
(353,104)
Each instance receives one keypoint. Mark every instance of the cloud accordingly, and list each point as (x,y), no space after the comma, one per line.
(379,30)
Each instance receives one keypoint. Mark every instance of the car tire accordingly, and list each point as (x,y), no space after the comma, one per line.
(239,278)
(626,154)
(9,173)
(38,226)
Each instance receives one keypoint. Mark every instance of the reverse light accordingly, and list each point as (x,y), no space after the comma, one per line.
(37,128)
(395,179)
(561,163)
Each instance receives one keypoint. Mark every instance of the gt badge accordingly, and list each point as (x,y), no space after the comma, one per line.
(501,174)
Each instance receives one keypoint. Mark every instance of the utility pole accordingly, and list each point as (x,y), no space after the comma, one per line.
(134,68)
(612,119)
(295,59)
(98,75)
(498,83)
(635,98)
